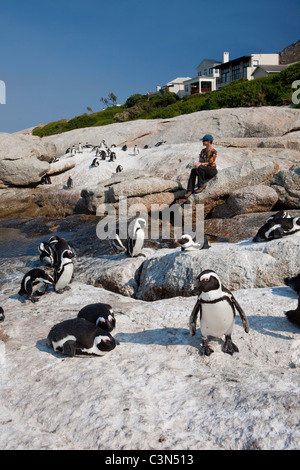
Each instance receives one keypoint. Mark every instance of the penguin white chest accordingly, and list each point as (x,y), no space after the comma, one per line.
(217,319)
(65,276)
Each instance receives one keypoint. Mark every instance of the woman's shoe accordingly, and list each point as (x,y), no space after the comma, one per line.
(200,189)
(188,193)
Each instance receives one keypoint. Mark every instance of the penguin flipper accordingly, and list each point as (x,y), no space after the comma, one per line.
(193,318)
(242,314)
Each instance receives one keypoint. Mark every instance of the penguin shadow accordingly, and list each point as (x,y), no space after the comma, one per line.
(270,326)
(161,336)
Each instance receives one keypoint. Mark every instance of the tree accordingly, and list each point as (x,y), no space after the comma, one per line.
(110,101)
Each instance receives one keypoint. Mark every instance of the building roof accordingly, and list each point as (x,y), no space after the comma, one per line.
(177,80)
(233,62)
(270,68)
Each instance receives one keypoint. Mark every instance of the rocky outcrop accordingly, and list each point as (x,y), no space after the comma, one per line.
(24,159)
(257,198)
(287,185)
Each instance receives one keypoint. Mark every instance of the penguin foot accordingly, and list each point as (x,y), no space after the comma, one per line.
(206,349)
(229,347)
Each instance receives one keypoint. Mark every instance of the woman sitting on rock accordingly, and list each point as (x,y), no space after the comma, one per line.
(205,168)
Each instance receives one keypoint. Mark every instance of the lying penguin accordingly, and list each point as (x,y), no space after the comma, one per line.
(277,226)
(100,314)
(217,307)
(188,244)
(80,337)
(33,281)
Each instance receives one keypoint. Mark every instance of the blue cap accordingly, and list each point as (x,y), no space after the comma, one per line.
(207,137)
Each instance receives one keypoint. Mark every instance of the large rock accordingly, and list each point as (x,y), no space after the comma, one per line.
(243,265)
(24,159)
(287,185)
(257,198)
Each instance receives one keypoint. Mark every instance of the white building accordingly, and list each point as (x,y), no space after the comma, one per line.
(205,80)
(243,67)
(175,86)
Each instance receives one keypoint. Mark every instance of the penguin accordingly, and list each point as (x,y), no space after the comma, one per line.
(78,336)
(95,162)
(103,155)
(277,228)
(59,245)
(124,148)
(279,215)
(118,245)
(100,314)
(2,316)
(136,150)
(70,183)
(97,151)
(293,283)
(63,273)
(80,150)
(187,243)
(136,240)
(73,151)
(217,307)
(112,156)
(47,254)
(294,315)
(119,169)
(46,179)
(33,281)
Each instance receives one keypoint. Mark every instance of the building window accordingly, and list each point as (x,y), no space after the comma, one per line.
(255,63)
(186,88)
(199,74)
(205,87)
(245,71)
(225,76)
(236,72)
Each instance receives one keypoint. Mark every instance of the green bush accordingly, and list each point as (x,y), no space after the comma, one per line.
(275,90)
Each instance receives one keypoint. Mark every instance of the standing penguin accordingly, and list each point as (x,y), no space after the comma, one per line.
(136,150)
(2,316)
(187,243)
(47,254)
(64,271)
(59,245)
(136,240)
(33,281)
(119,169)
(100,314)
(217,307)
(70,183)
(80,337)
(73,151)
(80,150)
(294,315)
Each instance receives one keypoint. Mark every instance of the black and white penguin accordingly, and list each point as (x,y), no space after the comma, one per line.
(100,314)
(119,169)
(59,245)
(103,155)
(277,228)
(73,151)
(118,245)
(2,316)
(80,150)
(70,183)
(294,315)
(33,281)
(136,150)
(46,179)
(63,273)
(124,148)
(279,215)
(217,307)
(47,254)
(112,156)
(80,337)
(187,243)
(136,240)
(95,162)
(293,282)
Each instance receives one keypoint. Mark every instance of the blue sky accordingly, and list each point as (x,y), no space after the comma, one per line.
(59,56)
